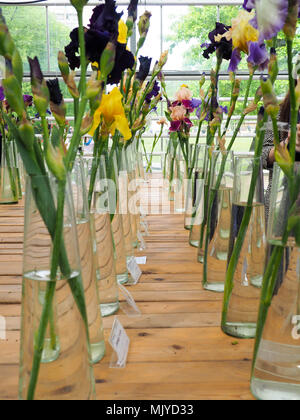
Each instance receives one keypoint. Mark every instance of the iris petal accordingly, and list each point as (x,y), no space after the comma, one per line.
(271,16)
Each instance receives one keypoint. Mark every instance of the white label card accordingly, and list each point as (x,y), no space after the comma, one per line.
(119,341)
(134,271)
(141,260)
(129,307)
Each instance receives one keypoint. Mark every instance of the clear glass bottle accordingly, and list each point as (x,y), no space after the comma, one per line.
(276,367)
(243,290)
(87,260)
(55,307)
(198,195)
(101,228)
(218,221)
(9,190)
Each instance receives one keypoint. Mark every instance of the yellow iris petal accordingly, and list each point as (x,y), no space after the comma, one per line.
(122,125)
(96,122)
(112,110)
(123,32)
(243,32)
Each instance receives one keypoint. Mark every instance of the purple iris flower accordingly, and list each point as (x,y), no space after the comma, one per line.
(196,103)
(154,92)
(103,27)
(258,55)
(223,47)
(2,96)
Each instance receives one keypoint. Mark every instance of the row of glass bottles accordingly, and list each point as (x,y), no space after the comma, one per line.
(276,373)
(93,257)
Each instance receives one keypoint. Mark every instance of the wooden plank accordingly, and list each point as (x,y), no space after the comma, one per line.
(177,350)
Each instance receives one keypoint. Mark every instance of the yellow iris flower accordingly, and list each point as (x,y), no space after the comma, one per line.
(112,111)
(123,32)
(243,32)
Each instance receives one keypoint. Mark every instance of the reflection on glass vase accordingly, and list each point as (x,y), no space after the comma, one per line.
(101,228)
(198,195)
(243,286)
(218,221)
(88,267)
(65,371)
(276,368)
(117,229)
(9,190)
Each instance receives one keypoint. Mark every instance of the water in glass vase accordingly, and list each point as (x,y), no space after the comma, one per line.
(89,278)
(219,240)
(107,285)
(276,374)
(68,375)
(243,303)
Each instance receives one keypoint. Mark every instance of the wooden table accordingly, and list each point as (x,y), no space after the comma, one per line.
(178,350)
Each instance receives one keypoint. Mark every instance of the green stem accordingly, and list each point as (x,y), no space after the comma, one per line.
(212,193)
(294,110)
(51,286)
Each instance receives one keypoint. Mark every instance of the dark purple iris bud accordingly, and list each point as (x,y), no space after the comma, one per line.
(223,47)
(132,9)
(35,71)
(55,93)
(28,100)
(145,64)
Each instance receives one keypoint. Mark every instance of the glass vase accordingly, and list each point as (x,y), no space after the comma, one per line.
(243,286)
(218,221)
(9,188)
(118,231)
(190,186)
(132,193)
(198,195)
(101,227)
(276,367)
(53,312)
(87,260)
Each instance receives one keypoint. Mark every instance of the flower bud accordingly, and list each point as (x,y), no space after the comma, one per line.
(93,87)
(202,81)
(283,158)
(13,94)
(290,26)
(107,60)
(273,65)
(7,45)
(86,124)
(55,162)
(143,27)
(270,100)
(39,87)
(17,66)
(26,132)
(163,59)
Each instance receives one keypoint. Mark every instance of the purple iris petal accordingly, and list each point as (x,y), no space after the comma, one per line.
(224,109)
(249,5)
(175,126)
(188,105)
(236,58)
(196,103)
(2,96)
(154,92)
(188,122)
(271,17)
(258,55)
(28,100)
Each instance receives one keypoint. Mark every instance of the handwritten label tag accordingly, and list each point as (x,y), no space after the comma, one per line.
(134,271)
(119,341)
(129,307)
